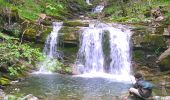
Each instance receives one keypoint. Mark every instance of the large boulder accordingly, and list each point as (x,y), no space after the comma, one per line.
(164,60)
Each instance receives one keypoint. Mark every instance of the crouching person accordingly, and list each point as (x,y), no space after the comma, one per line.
(141,90)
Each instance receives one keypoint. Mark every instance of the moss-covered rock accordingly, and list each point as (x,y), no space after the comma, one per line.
(153,42)
(75,23)
(57,17)
(165,64)
(70,33)
(144,40)
(139,56)
(30,33)
(10,14)
(148,41)
(4,81)
(35,32)
(44,33)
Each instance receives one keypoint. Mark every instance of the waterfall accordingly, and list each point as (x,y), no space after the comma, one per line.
(90,54)
(104,49)
(50,49)
(88,2)
(119,51)
(98,9)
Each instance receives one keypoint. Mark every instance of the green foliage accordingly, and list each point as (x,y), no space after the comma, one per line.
(119,19)
(134,20)
(16,32)
(135,10)
(6,37)
(112,10)
(54,10)
(11,97)
(12,55)
(4,3)
(59,9)
(82,3)
(168,14)
(27,14)
(31,9)
(53,65)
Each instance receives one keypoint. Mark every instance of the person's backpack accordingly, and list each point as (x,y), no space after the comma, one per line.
(146,84)
(146,88)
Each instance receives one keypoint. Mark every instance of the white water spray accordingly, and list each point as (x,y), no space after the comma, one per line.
(50,49)
(104,50)
(88,2)
(98,9)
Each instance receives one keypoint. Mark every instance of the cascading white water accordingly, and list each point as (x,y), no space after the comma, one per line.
(92,56)
(90,53)
(98,9)
(119,51)
(50,49)
(88,2)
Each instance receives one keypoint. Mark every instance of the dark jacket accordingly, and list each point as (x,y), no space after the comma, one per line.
(144,88)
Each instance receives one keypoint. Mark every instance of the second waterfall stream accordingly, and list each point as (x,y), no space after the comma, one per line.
(50,50)
(105,51)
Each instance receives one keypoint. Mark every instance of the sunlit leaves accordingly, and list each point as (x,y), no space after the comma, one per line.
(12,54)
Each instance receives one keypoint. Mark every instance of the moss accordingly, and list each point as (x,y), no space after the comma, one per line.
(30,33)
(138,56)
(165,64)
(153,42)
(36,33)
(27,14)
(119,19)
(69,33)
(74,23)
(66,29)
(44,34)
(58,17)
(4,81)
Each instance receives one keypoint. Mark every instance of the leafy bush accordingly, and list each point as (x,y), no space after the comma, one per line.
(7,38)
(53,65)
(13,55)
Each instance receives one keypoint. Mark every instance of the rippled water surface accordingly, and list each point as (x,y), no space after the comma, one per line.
(65,87)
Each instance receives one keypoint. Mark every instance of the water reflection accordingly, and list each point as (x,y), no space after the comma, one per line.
(64,87)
